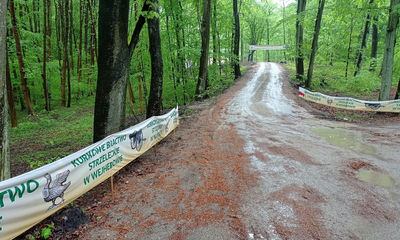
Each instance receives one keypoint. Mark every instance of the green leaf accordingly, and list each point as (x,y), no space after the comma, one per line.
(46,233)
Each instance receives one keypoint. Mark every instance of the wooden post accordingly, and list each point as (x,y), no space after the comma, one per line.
(112,183)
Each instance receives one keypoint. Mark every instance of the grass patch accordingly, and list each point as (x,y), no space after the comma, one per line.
(332,81)
(49,136)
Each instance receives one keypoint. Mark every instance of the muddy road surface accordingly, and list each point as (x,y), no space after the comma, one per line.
(255,164)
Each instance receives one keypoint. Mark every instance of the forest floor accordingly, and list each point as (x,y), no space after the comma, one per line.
(243,166)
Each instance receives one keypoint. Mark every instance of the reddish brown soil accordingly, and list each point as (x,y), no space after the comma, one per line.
(195,181)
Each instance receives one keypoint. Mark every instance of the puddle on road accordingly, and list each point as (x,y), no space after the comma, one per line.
(273,96)
(395,197)
(345,139)
(377,178)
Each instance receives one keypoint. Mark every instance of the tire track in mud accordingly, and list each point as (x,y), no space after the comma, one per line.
(194,187)
(305,189)
(247,166)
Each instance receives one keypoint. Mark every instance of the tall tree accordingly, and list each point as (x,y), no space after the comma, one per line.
(172,58)
(301,7)
(237,40)
(284,27)
(49,19)
(216,40)
(57,7)
(93,24)
(268,26)
(5,172)
(374,44)
(114,61)
(314,45)
(390,42)
(360,57)
(155,96)
(63,5)
(177,19)
(257,27)
(70,23)
(24,82)
(79,67)
(10,96)
(205,45)
(46,95)
(35,15)
(349,47)
(68,57)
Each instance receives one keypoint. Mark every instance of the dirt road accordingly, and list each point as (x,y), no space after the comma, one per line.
(254,164)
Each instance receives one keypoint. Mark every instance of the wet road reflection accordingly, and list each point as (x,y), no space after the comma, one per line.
(300,161)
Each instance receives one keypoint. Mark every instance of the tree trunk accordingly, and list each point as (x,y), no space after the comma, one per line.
(156,86)
(178,42)
(113,65)
(214,32)
(17,89)
(177,19)
(173,62)
(35,18)
(70,24)
(390,42)
(205,45)
(24,83)
(142,102)
(5,168)
(87,28)
(374,44)
(182,59)
(251,55)
(68,38)
(28,12)
(398,90)
(91,52)
(301,7)
(93,29)
(237,40)
(363,43)
(79,67)
(217,40)
(284,28)
(349,48)
(315,42)
(45,92)
(69,83)
(113,68)
(64,52)
(10,96)
(268,54)
(140,84)
(242,45)
(58,30)
(131,97)
(49,29)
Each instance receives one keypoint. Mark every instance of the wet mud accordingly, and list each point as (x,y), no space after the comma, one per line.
(254,163)
(305,190)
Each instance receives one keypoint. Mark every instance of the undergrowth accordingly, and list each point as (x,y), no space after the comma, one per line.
(331,80)
(50,136)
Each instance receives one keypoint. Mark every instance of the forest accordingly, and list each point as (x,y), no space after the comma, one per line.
(61,58)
